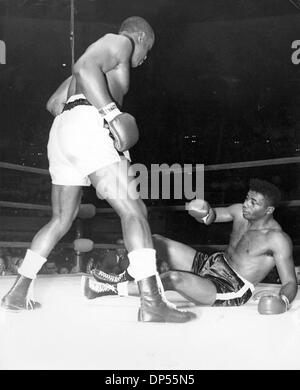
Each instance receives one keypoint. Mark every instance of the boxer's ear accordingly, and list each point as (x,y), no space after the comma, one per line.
(270,210)
(141,36)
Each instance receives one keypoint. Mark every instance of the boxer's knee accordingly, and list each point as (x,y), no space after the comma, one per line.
(133,217)
(176,278)
(171,280)
(164,246)
(62,224)
(144,210)
(75,213)
(132,211)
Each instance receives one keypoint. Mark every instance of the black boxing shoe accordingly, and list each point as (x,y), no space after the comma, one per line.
(154,306)
(92,289)
(104,277)
(17,298)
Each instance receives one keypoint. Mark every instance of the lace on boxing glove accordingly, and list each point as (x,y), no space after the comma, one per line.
(122,127)
(109,112)
(285,300)
(210,217)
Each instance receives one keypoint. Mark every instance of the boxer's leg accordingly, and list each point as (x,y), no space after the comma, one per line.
(178,256)
(65,205)
(192,287)
(113,184)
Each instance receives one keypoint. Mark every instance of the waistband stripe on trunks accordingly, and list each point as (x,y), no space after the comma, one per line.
(233,295)
(250,285)
(238,294)
(74,103)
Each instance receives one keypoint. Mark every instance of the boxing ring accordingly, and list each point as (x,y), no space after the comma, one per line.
(71,332)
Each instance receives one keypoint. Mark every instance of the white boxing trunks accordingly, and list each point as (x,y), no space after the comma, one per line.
(79,144)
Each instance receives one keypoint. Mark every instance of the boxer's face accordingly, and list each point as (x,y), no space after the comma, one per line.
(255,206)
(142,46)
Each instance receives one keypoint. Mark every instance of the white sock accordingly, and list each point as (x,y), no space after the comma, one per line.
(31,264)
(142,263)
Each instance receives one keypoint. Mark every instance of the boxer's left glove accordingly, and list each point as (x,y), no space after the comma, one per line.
(270,302)
(201,211)
(122,126)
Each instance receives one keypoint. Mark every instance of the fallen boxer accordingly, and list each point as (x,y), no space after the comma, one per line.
(257,244)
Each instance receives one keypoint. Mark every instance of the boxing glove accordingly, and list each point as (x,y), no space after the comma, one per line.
(270,302)
(201,211)
(122,126)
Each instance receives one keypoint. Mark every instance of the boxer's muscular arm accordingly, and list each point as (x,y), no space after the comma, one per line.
(102,72)
(118,83)
(57,101)
(201,210)
(204,213)
(228,214)
(281,246)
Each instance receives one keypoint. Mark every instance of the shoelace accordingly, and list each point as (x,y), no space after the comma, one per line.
(30,298)
(108,277)
(163,294)
(29,304)
(100,287)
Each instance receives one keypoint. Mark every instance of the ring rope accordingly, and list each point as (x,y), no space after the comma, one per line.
(109,210)
(255,163)
(23,168)
(21,244)
(213,167)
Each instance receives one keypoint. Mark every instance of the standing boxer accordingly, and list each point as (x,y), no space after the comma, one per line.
(82,152)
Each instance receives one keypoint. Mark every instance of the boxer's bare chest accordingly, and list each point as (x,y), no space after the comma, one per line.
(246,240)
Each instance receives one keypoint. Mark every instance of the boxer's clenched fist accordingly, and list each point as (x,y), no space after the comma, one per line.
(122,126)
(201,211)
(271,302)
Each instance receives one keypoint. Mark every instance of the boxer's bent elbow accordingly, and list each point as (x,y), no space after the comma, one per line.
(82,69)
(50,103)
(54,107)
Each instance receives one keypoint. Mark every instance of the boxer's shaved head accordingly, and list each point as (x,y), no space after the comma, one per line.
(137,24)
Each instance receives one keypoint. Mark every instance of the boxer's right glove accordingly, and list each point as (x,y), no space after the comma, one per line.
(122,126)
(270,302)
(201,211)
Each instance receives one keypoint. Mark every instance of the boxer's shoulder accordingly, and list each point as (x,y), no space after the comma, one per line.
(236,210)
(277,236)
(113,41)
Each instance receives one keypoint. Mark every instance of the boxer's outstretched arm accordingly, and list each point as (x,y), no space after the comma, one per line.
(204,213)
(228,214)
(57,101)
(282,248)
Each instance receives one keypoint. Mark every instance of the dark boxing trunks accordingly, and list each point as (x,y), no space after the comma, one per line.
(232,289)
